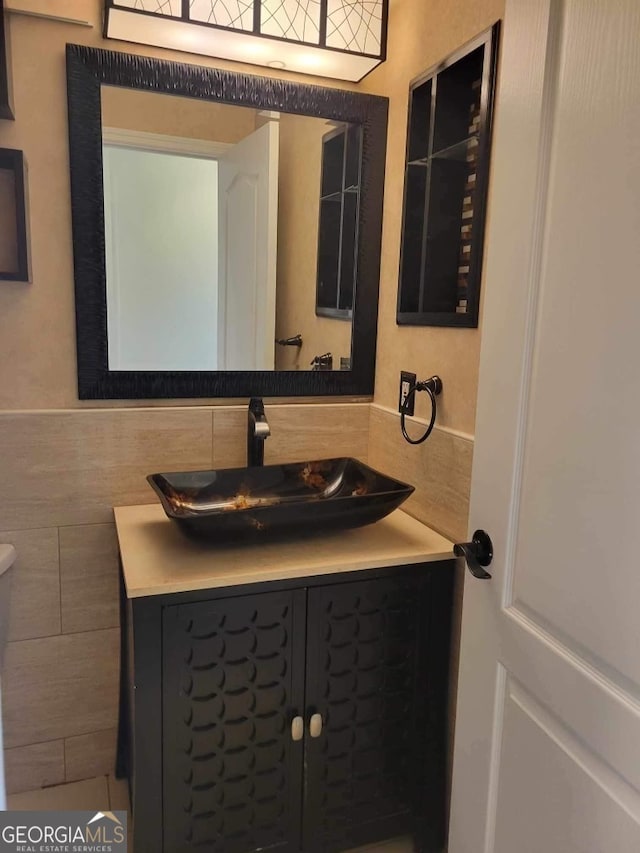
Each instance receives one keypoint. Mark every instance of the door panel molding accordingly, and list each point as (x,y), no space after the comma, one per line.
(567,802)
(623,793)
(496,756)
(534,265)
(567,645)
(573,690)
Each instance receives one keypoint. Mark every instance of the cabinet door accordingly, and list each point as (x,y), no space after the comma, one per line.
(365,677)
(232,683)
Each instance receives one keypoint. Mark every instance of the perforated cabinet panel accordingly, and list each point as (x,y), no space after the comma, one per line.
(232,680)
(365,672)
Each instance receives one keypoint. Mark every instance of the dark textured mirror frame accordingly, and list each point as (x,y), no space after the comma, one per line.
(6,110)
(12,161)
(87,70)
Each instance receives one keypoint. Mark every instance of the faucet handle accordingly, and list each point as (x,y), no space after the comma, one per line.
(257,431)
(258,419)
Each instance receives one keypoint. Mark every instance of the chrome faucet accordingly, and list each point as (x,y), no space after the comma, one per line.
(257,432)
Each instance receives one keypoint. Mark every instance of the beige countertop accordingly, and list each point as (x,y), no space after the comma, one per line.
(157,558)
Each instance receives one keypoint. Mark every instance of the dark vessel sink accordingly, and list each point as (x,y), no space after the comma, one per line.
(302,497)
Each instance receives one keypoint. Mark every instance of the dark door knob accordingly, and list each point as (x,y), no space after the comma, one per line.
(477,553)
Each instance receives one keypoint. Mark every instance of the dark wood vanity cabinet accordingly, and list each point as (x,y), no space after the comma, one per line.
(233,679)
(217,679)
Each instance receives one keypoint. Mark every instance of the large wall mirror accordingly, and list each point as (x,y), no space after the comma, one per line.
(226,231)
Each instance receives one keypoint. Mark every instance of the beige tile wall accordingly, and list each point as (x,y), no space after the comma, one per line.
(340,429)
(86,756)
(34,766)
(63,471)
(89,583)
(440,469)
(70,467)
(35,590)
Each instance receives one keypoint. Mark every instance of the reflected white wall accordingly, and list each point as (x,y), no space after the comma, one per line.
(161,228)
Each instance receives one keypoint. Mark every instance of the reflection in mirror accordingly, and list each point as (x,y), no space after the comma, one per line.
(214,248)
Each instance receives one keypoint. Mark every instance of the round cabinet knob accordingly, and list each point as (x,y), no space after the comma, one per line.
(297,728)
(315,725)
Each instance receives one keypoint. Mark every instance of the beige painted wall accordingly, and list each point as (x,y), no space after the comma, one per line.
(37,369)
(298,209)
(152,112)
(37,321)
(421,34)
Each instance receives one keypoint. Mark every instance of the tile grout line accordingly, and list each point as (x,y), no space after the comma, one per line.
(240,405)
(456,433)
(62,634)
(57,739)
(72,523)
(36,743)
(13,640)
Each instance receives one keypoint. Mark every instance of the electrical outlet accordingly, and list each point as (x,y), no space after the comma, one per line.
(407,380)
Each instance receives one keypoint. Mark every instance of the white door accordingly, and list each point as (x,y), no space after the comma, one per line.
(248,211)
(547,751)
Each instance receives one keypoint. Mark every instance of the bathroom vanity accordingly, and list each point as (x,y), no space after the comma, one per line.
(286,695)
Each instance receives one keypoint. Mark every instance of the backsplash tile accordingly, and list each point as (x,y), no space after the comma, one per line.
(313,431)
(230,437)
(63,468)
(317,432)
(440,470)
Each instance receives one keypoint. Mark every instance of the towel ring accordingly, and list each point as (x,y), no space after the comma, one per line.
(433,387)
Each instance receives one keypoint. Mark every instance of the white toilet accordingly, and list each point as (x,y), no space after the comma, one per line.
(7,559)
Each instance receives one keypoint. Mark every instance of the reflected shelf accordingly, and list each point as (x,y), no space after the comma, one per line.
(458,151)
